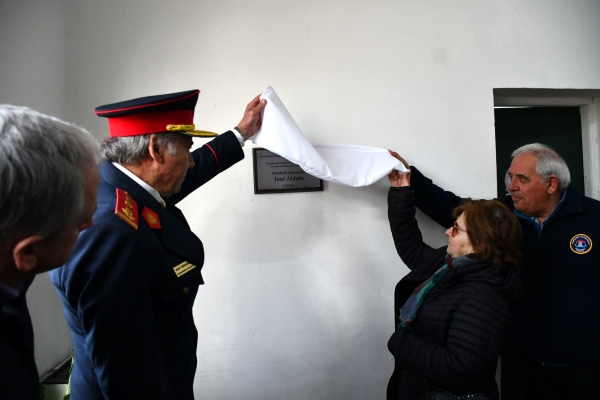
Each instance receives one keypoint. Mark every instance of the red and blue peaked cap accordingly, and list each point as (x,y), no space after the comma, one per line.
(173,112)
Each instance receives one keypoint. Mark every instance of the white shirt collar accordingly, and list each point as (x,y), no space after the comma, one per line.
(153,192)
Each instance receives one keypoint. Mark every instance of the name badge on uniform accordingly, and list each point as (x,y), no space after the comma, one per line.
(183,268)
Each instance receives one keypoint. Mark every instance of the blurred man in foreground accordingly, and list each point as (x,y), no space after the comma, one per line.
(48,191)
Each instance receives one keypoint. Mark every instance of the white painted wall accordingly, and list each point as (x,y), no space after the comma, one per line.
(299,287)
(33,73)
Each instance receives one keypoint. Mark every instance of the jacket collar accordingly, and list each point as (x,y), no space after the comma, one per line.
(118,179)
(179,237)
(153,192)
(572,203)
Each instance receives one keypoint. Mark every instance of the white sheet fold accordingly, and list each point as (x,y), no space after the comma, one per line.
(344,164)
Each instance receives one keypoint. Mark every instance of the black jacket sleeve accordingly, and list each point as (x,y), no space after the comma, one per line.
(406,233)
(434,201)
(210,160)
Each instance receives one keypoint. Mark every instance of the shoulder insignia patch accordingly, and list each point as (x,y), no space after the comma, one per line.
(581,244)
(151,218)
(126,208)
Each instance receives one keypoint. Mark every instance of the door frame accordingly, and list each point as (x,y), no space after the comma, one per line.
(588,101)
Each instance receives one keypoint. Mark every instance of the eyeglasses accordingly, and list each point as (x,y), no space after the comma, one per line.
(456,228)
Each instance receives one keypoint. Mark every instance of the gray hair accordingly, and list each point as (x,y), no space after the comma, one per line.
(549,163)
(133,149)
(43,164)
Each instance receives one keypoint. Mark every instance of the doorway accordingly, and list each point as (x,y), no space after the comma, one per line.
(557,127)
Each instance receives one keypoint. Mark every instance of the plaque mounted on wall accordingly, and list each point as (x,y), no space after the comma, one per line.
(275,174)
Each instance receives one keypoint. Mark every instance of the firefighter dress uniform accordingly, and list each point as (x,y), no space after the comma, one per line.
(129,287)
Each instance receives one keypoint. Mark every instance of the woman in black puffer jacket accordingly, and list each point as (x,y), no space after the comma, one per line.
(453,310)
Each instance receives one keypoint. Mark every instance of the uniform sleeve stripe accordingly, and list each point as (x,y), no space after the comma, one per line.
(214,154)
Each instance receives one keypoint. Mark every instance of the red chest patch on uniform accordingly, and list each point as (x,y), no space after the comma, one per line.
(151,218)
(127,209)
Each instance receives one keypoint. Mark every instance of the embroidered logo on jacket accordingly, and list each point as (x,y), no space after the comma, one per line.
(581,244)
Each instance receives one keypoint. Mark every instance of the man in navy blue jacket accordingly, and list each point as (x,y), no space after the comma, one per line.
(48,189)
(129,288)
(558,320)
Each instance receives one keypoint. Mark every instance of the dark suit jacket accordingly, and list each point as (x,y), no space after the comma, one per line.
(129,313)
(18,372)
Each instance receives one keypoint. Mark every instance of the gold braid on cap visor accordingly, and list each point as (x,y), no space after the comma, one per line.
(190,130)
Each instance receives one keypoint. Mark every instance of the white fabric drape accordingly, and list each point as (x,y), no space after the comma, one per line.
(344,164)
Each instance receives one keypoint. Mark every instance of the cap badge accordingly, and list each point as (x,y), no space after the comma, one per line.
(581,244)
(151,218)
(126,208)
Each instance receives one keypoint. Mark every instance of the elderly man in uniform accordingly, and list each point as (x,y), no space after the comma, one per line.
(48,190)
(558,320)
(129,288)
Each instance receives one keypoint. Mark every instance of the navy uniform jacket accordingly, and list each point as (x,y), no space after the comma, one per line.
(130,315)
(18,373)
(558,318)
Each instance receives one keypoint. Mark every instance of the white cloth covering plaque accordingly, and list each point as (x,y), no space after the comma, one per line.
(344,164)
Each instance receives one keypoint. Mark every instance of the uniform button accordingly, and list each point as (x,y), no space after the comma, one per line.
(186,290)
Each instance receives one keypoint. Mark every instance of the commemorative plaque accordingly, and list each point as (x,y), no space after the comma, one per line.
(275,174)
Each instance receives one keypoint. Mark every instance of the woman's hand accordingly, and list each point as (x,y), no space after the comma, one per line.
(396,178)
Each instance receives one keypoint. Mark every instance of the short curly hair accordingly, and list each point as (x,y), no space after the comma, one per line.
(494,232)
